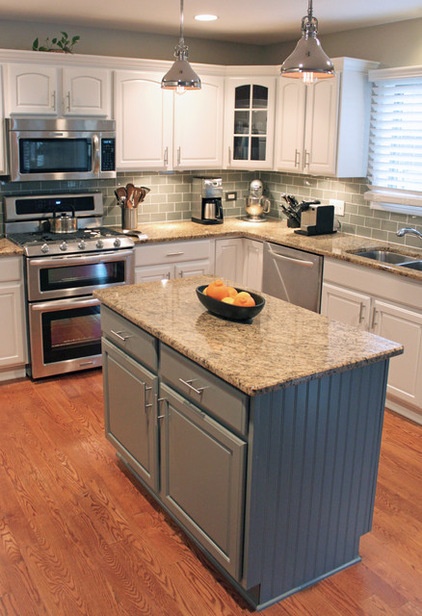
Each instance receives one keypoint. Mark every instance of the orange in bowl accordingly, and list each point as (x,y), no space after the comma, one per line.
(217,289)
(243,298)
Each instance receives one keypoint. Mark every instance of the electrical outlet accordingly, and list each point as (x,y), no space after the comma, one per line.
(338,206)
(231,196)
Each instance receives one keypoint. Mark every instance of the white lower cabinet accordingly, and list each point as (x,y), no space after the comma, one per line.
(389,306)
(240,260)
(173,260)
(13,348)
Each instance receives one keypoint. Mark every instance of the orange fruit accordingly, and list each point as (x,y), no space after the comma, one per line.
(244,299)
(232,291)
(204,291)
(228,300)
(217,289)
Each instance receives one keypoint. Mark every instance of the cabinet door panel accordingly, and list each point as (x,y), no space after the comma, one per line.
(321,127)
(202,479)
(290,127)
(13,347)
(86,92)
(143,121)
(198,126)
(129,412)
(32,89)
(403,326)
(345,306)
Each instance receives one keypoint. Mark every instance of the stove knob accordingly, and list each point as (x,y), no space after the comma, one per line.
(100,244)
(81,245)
(45,248)
(63,246)
(117,242)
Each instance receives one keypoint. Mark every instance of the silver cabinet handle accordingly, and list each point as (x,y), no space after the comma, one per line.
(166,156)
(374,319)
(230,155)
(189,385)
(68,101)
(174,254)
(307,158)
(297,158)
(121,335)
(159,401)
(146,389)
(53,100)
(361,312)
(179,155)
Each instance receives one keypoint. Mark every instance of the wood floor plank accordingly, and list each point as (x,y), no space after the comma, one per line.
(79,537)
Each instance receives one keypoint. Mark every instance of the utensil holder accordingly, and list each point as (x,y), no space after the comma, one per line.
(129,218)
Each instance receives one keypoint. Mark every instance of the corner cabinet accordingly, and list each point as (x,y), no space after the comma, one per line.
(322,129)
(13,348)
(249,122)
(158,129)
(241,261)
(387,305)
(48,90)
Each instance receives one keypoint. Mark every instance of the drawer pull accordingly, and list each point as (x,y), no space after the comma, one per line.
(189,385)
(174,254)
(121,335)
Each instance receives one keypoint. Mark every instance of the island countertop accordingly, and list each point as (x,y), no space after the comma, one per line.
(284,345)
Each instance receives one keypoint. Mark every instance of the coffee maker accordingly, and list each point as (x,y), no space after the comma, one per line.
(207,194)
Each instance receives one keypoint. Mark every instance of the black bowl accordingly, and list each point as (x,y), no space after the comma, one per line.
(229,311)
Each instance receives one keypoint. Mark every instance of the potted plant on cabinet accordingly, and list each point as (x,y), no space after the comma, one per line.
(60,45)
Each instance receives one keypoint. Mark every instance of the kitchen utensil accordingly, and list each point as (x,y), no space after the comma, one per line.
(120,193)
(130,190)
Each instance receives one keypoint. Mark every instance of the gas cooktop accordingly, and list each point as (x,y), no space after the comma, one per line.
(39,243)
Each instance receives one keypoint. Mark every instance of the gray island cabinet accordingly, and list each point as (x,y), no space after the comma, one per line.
(260,439)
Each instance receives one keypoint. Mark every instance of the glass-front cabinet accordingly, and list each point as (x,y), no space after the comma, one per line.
(249,123)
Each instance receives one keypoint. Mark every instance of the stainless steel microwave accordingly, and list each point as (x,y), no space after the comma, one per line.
(60,149)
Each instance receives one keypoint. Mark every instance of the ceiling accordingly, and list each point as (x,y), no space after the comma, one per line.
(244,21)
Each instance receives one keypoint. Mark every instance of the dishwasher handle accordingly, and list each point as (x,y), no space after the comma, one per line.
(300,262)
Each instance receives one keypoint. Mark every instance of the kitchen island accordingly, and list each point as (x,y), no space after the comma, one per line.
(260,439)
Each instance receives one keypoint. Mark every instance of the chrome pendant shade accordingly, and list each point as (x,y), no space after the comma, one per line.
(181,76)
(308,61)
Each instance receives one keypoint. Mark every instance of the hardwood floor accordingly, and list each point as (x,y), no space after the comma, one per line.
(78,536)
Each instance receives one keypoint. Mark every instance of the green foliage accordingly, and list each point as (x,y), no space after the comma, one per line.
(64,43)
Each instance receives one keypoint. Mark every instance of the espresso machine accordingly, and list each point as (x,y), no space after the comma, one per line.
(207,194)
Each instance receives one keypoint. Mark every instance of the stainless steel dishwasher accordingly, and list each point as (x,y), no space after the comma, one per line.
(293,275)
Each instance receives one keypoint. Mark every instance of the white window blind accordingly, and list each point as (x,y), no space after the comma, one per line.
(395,145)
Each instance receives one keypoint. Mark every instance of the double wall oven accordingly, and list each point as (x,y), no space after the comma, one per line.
(62,269)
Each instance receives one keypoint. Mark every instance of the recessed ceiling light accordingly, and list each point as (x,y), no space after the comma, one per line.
(206,17)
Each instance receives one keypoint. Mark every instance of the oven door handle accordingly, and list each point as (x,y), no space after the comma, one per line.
(64,304)
(97,257)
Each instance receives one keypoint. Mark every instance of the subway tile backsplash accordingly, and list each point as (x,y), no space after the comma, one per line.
(170,198)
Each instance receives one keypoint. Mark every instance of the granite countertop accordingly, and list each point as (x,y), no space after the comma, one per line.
(336,245)
(284,345)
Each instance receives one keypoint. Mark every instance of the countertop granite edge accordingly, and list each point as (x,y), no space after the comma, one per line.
(337,245)
(275,361)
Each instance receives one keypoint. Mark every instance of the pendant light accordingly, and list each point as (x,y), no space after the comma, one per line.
(181,76)
(308,61)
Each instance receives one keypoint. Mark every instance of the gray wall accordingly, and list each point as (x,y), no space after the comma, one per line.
(396,44)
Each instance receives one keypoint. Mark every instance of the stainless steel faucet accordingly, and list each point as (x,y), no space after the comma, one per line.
(405,231)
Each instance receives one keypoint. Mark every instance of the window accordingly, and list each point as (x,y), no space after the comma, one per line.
(395,142)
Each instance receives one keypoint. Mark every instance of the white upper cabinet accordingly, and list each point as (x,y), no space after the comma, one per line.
(198,126)
(158,129)
(35,89)
(3,157)
(249,122)
(322,129)
(143,113)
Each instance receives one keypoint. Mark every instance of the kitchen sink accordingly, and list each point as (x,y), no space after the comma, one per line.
(384,256)
(416,265)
